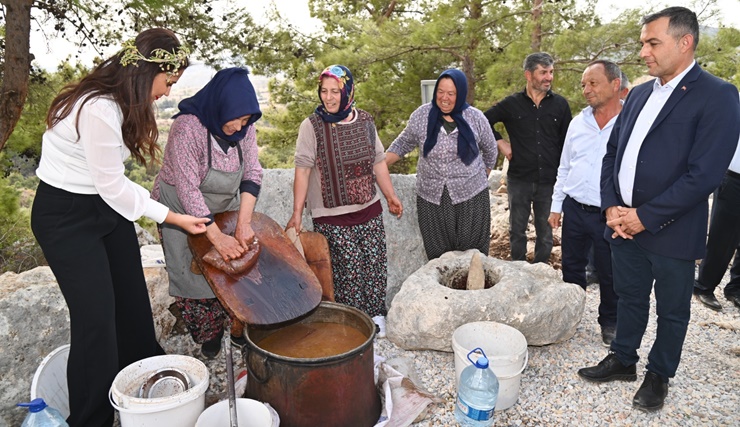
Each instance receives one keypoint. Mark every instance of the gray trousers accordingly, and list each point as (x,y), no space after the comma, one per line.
(523,198)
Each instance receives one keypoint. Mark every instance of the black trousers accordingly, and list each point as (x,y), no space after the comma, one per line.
(724,237)
(582,230)
(94,255)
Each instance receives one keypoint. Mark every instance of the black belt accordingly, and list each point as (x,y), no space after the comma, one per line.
(733,174)
(587,208)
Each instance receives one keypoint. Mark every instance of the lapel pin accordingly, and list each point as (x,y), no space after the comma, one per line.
(683,87)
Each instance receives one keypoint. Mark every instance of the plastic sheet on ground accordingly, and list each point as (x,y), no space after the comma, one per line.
(403,401)
(152,256)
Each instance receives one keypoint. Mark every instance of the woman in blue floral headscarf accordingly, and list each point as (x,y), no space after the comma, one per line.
(457,150)
(339,159)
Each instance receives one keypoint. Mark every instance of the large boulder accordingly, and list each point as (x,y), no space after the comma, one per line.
(433,302)
(34,320)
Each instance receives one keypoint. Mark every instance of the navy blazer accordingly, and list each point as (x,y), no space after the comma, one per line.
(681,161)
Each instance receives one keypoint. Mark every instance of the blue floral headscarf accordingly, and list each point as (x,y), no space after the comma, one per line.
(467,147)
(228,96)
(341,74)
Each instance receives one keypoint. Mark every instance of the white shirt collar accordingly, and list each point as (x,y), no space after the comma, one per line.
(674,81)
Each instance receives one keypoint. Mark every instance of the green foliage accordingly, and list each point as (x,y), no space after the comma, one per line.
(720,54)
(212,31)
(142,175)
(390,50)
(617,41)
(23,149)
(18,248)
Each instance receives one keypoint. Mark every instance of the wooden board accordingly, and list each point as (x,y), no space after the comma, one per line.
(278,288)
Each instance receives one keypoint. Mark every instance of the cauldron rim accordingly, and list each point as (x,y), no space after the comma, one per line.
(313,361)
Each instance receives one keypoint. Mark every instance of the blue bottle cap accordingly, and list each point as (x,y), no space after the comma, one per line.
(36,405)
(482,362)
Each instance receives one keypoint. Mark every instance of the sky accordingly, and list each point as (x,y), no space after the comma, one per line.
(49,53)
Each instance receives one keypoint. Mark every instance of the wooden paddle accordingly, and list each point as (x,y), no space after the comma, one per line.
(280,286)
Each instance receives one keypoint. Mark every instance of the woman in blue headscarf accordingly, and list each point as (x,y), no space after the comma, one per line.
(338,161)
(210,166)
(457,151)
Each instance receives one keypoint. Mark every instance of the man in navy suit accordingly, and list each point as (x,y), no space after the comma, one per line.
(668,151)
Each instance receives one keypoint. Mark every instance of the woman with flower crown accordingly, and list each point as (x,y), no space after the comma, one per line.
(210,166)
(84,207)
(339,159)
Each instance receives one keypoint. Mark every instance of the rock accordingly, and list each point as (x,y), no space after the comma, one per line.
(476,275)
(530,298)
(157,283)
(145,237)
(34,320)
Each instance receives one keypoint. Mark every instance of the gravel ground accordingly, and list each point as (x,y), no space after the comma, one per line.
(704,391)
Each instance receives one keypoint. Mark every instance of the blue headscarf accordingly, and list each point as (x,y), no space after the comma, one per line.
(467,148)
(341,74)
(228,96)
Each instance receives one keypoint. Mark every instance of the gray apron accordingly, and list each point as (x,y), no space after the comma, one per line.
(221,193)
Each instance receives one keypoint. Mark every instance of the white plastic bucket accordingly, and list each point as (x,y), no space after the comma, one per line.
(50,380)
(181,409)
(249,413)
(506,350)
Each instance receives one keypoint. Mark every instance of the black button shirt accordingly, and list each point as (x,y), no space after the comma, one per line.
(536,134)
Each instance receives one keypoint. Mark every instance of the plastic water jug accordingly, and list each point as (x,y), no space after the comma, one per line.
(42,415)
(477,393)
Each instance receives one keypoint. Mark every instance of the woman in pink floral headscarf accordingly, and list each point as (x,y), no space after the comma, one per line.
(339,159)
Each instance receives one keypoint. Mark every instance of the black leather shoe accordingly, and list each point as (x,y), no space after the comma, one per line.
(609,369)
(607,335)
(210,349)
(735,299)
(238,342)
(708,299)
(652,393)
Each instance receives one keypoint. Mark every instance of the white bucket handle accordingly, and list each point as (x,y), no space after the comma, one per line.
(152,408)
(524,366)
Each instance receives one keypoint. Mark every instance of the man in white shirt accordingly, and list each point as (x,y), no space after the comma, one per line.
(724,237)
(576,195)
(669,149)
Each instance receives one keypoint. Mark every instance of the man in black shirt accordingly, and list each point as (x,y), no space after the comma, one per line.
(536,120)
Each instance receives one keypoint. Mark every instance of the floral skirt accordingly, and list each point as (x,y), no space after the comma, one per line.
(359,264)
(204,318)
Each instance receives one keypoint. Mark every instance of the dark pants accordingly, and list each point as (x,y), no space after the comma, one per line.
(94,254)
(583,228)
(733,286)
(724,237)
(447,227)
(634,271)
(523,198)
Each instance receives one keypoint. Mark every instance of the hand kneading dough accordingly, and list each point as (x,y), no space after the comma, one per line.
(234,266)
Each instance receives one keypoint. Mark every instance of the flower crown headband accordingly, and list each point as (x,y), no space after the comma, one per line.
(169,62)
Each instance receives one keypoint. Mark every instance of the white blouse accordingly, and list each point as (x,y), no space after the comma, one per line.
(93,162)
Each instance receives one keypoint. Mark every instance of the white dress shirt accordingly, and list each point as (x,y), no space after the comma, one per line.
(735,162)
(92,163)
(579,173)
(645,120)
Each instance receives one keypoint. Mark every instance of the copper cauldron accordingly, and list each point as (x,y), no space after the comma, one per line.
(333,391)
